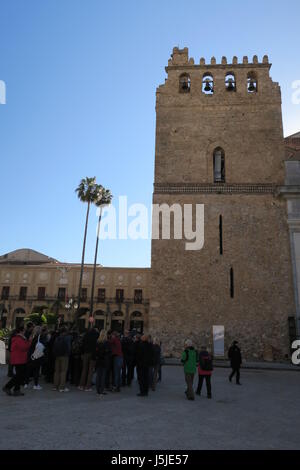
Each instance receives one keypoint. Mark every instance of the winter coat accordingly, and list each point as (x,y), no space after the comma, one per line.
(235,356)
(89,341)
(128,347)
(144,354)
(62,346)
(19,350)
(103,355)
(189,360)
(203,356)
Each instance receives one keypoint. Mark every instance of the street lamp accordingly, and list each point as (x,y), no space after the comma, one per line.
(71,306)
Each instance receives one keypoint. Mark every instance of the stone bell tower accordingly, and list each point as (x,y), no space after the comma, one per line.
(219,142)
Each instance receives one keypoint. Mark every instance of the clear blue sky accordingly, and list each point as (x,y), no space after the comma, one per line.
(81,78)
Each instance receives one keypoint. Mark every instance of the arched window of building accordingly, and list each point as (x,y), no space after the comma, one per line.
(252,85)
(219,165)
(230,83)
(208,84)
(184,83)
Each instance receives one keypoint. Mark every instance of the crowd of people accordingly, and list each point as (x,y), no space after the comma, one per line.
(105,359)
(65,356)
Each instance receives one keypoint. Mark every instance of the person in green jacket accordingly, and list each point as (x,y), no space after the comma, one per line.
(189,360)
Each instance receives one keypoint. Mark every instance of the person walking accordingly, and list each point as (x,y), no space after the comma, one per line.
(18,358)
(205,368)
(189,360)
(88,363)
(156,362)
(144,359)
(116,349)
(102,358)
(61,352)
(235,357)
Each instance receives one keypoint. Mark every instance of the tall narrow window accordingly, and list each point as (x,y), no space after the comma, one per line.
(231,283)
(138,296)
(119,295)
(41,293)
(23,293)
(221,234)
(5,293)
(61,295)
(83,296)
(219,165)
(101,295)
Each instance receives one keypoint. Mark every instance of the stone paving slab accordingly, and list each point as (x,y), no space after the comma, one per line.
(264,413)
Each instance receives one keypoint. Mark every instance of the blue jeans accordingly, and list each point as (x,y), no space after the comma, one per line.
(118,363)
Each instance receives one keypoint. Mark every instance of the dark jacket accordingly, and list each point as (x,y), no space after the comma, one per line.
(103,354)
(144,354)
(205,366)
(128,347)
(19,349)
(156,354)
(62,346)
(89,341)
(235,356)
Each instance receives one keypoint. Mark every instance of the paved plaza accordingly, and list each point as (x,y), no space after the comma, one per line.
(264,413)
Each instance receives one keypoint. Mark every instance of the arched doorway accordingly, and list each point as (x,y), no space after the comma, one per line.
(19,315)
(117,322)
(136,322)
(99,317)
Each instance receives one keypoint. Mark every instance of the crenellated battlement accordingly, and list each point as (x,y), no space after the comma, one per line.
(180,58)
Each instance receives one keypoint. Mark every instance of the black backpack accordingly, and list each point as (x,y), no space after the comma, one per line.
(206,362)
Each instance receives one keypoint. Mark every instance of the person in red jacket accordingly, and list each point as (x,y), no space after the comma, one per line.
(18,358)
(205,368)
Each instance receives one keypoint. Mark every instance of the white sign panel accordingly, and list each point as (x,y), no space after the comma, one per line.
(218,340)
(2,353)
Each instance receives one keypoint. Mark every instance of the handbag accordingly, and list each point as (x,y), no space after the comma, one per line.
(38,351)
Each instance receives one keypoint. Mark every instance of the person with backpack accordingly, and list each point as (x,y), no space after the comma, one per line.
(235,357)
(61,352)
(189,360)
(156,362)
(205,368)
(18,358)
(36,356)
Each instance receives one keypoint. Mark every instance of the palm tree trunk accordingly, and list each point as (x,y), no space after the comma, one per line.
(95,263)
(83,254)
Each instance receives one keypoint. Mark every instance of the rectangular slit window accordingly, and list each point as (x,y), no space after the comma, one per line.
(221,234)
(231,283)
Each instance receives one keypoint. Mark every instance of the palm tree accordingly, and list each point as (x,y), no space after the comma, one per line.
(86,192)
(104,198)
